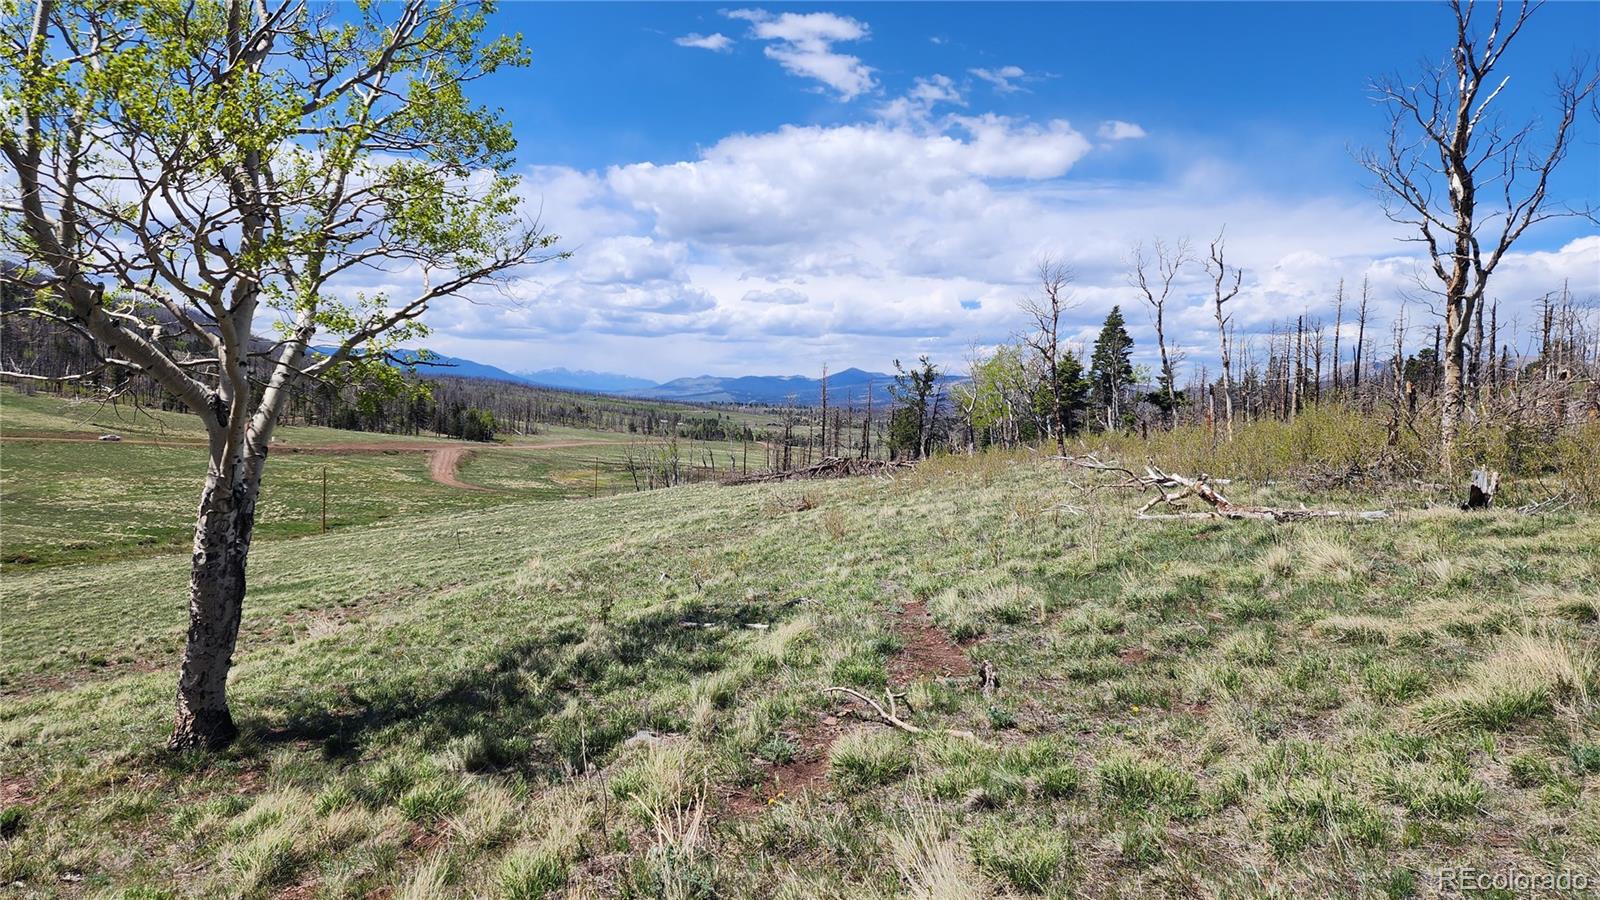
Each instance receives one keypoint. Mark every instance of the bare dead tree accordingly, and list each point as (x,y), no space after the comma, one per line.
(1297,367)
(1166,265)
(790,417)
(967,397)
(1475,372)
(1222,293)
(866,425)
(824,409)
(1494,344)
(1361,334)
(1436,374)
(1444,147)
(1338,326)
(1316,341)
(1044,309)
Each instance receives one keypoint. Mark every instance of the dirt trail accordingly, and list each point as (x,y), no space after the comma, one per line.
(928,653)
(342,447)
(928,650)
(442,466)
(443,459)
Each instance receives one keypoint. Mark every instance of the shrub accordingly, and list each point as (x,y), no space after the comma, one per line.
(777,749)
(1001,718)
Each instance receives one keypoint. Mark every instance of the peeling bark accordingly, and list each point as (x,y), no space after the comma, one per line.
(223,528)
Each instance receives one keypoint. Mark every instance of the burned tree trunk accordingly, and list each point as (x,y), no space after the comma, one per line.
(1480,494)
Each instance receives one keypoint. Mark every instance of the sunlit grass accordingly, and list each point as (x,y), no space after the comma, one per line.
(534,698)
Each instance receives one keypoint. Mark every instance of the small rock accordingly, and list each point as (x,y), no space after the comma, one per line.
(643,736)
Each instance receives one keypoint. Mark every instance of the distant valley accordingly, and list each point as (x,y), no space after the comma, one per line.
(844,387)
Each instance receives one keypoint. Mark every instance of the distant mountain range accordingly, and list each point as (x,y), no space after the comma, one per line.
(844,387)
(585,380)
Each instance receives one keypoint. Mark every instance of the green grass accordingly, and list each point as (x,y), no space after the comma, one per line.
(442,704)
(67,501)
(596,467)
(70,502)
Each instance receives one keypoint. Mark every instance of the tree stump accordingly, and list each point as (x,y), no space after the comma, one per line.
(1480,494)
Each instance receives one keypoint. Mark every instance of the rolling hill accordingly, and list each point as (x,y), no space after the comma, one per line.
(844,387)
(847,386)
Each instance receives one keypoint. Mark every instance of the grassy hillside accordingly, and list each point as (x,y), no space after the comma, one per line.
(66,497)
(451,704)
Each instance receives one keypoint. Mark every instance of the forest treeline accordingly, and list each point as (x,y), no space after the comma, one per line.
(1533,397)
(1527,388)
(416,399)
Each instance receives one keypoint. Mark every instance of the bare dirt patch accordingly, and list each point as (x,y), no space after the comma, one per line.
(807,771)
(15,789)
(442,466)
(1132,656)
(928,652)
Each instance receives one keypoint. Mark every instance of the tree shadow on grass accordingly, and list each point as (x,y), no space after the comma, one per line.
(541,706)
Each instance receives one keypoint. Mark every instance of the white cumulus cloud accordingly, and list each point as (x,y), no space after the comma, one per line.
(714,42)
(803,44)
(1117,130)
(917,104)
(1003,78)
(856,244)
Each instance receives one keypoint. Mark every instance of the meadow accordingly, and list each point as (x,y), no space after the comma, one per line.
(67,497)
(628,696)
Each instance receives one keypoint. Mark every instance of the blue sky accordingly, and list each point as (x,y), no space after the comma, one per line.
(768,188)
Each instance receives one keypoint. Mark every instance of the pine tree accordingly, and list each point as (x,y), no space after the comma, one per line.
(915,392)
(1111,367)
(1075,389)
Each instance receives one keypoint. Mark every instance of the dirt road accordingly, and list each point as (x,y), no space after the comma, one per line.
(443,459)
(442,466)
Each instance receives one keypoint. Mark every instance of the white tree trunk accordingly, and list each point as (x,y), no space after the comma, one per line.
(223,528)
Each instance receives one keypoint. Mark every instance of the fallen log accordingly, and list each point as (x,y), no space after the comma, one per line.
(1171,488)
(1548,504)
(831,467)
